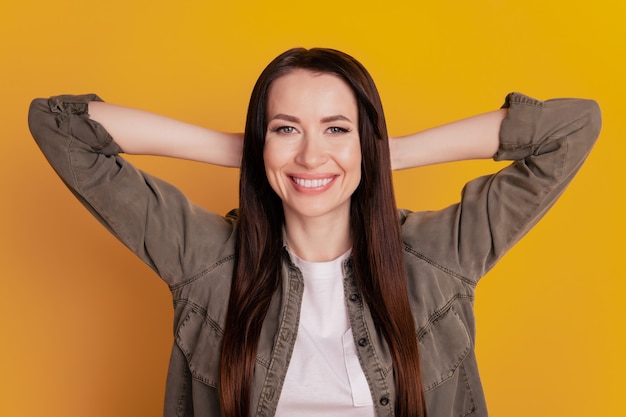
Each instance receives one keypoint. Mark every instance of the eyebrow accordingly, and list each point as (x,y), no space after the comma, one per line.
(327,119)
(286,117)
(334,118)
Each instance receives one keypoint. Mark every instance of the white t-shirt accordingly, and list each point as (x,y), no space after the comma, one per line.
(324,377)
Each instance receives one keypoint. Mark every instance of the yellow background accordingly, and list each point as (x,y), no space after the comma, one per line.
(86,328)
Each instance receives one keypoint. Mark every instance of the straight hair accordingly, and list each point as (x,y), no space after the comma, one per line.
(377,250)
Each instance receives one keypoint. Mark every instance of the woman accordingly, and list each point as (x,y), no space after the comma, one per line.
(334,306)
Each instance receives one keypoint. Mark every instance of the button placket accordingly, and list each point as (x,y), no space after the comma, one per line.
(365,345)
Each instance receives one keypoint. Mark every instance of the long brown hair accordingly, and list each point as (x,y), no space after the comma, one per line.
(376,239)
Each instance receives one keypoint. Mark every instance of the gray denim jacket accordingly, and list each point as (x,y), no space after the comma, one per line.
(446,252)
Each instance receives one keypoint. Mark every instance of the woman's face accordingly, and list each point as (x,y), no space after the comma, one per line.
(312,150)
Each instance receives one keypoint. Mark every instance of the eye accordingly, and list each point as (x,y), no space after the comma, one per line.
(285,130)
(337,130)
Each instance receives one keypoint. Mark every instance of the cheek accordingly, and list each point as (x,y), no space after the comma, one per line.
(357,163)
(271,160)
(267,162)
(353,158)
(276,154)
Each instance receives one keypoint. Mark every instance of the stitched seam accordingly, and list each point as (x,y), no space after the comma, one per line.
(413,252)
(443,311)
(181,405)
(468,387)
(203,273)
(194,306)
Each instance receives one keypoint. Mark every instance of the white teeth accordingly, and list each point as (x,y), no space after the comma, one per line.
(312,183)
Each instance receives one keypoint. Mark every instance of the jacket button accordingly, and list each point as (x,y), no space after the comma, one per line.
(355,297)
(363,342)
(384,400)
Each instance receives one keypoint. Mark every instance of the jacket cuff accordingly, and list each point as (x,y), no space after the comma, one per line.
(517,132)
(72,117)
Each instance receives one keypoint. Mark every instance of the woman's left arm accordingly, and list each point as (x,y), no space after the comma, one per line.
(476,137)
(547,142)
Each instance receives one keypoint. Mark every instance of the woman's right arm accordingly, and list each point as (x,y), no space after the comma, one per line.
(154,219)
(140,132)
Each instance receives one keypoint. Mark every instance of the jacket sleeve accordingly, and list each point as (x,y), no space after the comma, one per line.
(548,142)
(173,236)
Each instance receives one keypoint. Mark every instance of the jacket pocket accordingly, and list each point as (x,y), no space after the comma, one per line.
(443,345)
(200,340)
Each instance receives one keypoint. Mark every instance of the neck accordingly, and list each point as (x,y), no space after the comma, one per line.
(319,239)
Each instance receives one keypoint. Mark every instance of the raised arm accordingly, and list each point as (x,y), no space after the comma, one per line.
(153,218)
(140,132)
(546,142)
(472,138)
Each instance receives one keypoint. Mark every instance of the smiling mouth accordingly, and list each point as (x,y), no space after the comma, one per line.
(315,183)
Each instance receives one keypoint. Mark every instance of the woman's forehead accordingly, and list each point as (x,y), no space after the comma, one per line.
(309,93)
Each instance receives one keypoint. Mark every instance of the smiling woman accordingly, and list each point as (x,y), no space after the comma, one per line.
(318,297)
(340,84)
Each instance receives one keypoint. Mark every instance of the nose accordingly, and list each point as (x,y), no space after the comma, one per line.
(311,152)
